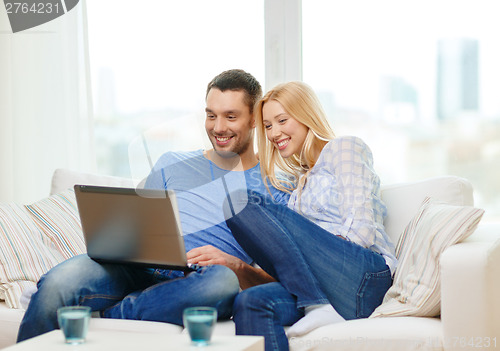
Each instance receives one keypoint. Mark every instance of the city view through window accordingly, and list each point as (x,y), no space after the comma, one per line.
(418,81)
(150,66)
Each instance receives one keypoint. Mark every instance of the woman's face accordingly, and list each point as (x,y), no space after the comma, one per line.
(284,131)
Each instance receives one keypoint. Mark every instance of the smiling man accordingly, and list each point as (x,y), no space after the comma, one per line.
(230,126)
(201,179)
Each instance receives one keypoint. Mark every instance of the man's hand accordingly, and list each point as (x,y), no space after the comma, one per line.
(208,255)
(248,276)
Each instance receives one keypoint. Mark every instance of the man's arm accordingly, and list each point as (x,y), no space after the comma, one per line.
(248,276)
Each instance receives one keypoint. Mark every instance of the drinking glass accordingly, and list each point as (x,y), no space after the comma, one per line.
(74,322)
(200,322)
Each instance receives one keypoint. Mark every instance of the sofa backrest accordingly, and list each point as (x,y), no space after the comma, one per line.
(63,179)
(403,200)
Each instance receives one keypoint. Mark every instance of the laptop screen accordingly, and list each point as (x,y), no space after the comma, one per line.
(131,226)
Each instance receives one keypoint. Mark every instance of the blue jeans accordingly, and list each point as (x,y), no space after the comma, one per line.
(313,265)
(264,310)
(126,292)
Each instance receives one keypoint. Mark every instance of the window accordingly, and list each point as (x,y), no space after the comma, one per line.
(419,81)
(150,63)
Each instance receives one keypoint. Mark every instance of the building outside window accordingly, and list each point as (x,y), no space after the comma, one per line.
(419,81)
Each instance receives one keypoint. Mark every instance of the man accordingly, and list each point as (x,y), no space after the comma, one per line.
(201,180)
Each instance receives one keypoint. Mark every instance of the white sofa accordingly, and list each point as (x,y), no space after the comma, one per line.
(470,281)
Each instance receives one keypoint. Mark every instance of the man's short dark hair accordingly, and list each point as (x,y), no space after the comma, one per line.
(237,80)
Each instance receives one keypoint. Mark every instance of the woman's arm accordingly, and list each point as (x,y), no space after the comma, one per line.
(351,163)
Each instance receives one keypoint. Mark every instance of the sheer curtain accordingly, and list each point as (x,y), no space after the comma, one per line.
(45,104)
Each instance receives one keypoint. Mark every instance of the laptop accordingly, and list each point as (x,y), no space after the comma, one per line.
(132,226)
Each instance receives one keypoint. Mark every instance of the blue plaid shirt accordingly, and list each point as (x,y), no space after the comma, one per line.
(342,195)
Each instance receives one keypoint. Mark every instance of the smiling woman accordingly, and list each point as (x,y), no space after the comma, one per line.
(282,129)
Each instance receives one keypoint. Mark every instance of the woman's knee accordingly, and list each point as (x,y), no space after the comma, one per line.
(257,298)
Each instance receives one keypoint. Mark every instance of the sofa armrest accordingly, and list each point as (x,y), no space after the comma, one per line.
(470,283)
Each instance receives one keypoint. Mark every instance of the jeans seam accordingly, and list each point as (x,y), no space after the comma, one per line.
(274,340)
(98,296)
(315,302)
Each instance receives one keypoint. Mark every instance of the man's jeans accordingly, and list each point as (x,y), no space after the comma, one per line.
(126,292)
(312,265)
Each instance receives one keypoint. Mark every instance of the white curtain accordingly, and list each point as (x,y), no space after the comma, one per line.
(45,104)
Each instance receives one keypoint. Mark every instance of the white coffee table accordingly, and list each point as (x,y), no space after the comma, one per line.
(98,340)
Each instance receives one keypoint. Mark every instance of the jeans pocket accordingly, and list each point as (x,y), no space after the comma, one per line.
(371,292)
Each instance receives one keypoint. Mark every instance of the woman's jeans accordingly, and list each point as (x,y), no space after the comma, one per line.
(126,292)
(312,265)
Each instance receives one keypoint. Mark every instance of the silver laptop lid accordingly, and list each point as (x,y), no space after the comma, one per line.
(131,226)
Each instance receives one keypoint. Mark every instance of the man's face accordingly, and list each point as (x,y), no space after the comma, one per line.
(229,123)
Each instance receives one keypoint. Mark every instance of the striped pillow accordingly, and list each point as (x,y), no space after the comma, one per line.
(35,238)
(416,289)
(24,257)
(57,216)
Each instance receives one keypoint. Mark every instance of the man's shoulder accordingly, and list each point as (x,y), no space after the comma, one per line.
(179,170)
(171,157)
(182,155)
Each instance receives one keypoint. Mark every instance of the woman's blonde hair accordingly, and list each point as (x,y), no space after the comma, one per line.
(300,102)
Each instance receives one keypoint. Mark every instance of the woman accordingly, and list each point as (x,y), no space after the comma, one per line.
(328,249)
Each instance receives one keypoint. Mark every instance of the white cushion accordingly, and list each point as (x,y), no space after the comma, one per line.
(65,178)
(9,324)
(416,290)
(383,334)
(404,200)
